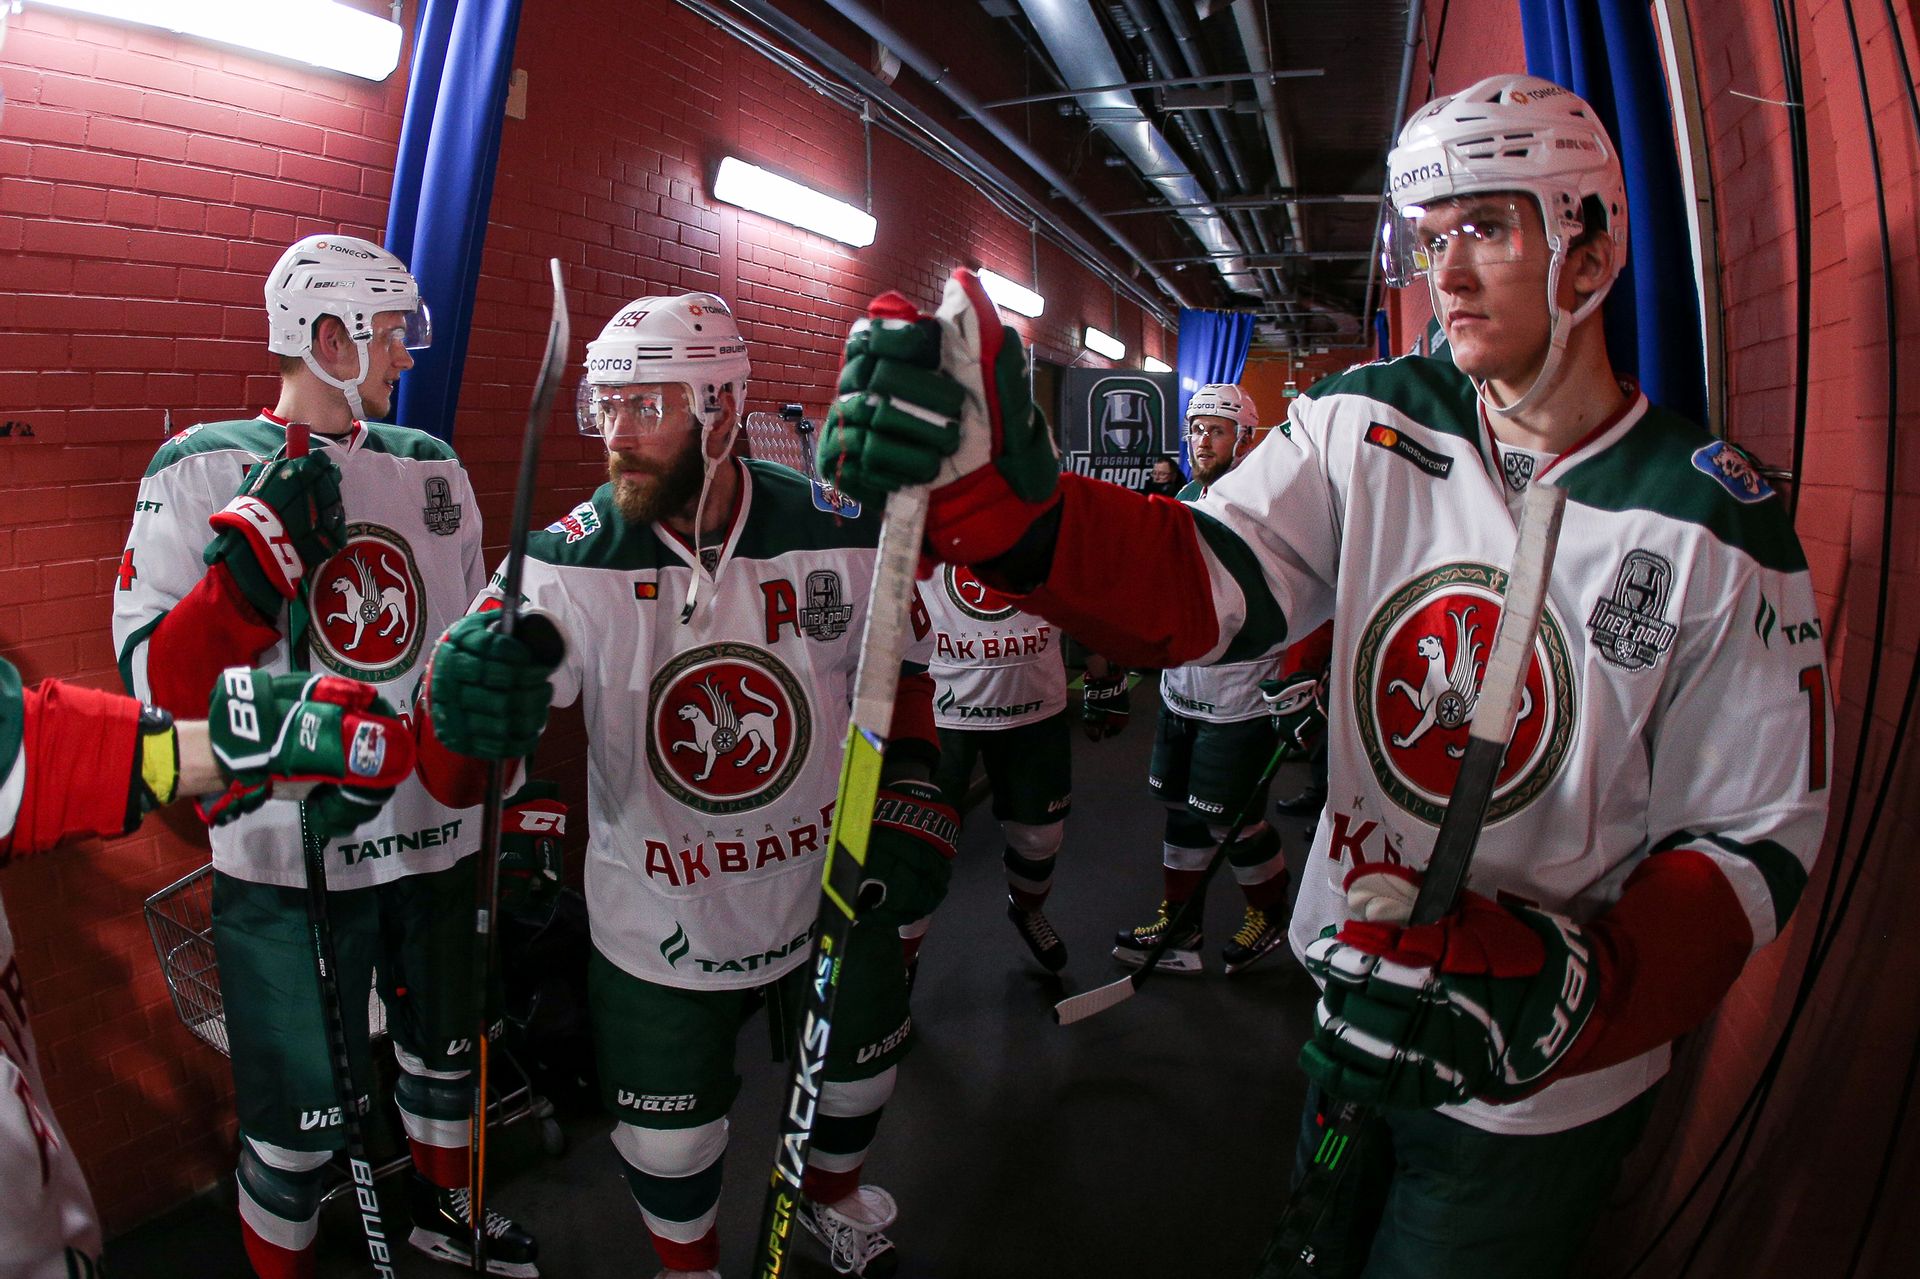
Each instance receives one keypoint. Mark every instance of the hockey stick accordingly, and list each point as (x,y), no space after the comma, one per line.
(326,973)
(1290,1250)
(486,903)
(1089,1002)
(874,684)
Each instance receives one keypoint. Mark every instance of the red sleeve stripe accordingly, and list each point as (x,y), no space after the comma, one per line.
(77,748)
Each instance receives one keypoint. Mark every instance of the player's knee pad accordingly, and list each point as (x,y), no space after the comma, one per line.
(1034,842)
(435,1110)
(675,1176)
(849,1116)
(1184,830)
(280,1192)
(1257,849)
(671,1152)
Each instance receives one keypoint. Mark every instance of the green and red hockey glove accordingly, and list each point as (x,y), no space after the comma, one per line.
(286,518)
(1486,1003)
(909,854)
(487,692)
(330,741)
(943,401)
(533,821)
(1297,706)
(1105,703)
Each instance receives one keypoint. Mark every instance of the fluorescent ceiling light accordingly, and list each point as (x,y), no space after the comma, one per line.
(321,33)
(1013,296)
(784,200)
(1153,364)
(1100,344)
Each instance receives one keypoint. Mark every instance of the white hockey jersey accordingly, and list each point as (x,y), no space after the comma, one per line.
(1220,692)
(993,666)
(411,565)
(48,1227)
(714,744)
(1678,695)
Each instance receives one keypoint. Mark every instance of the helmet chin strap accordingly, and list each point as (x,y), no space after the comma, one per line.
(708,465)
(349,389)
(1553,367)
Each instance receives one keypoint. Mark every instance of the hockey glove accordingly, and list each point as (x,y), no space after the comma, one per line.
(909,854)
(489,692)
(1485,1003)
(1105,703)
(943,402)
(286,519)
(1297,706)
(532,823)
(333,742)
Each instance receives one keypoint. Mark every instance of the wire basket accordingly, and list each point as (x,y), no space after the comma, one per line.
(180,921)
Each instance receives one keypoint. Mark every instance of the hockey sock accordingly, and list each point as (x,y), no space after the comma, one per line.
(843,1129)
(675,1175)
(279,1207)
(1259,867)
(1184,855)
(1029,861)
(435,1109)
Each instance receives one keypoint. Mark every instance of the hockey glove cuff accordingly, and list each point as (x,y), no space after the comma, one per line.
(489,692)
(1486,1003)
(532,824)
(1105,704)
(909,854)
(287,518)
(1297,706)
(331,741)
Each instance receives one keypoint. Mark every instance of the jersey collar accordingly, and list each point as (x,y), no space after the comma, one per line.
(356,432)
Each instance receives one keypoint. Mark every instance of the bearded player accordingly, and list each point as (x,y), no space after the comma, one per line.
(76,762)
(1637,848)
(715,607)
(350,559)
(1210,749)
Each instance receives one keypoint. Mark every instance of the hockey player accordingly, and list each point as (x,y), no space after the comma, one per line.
(1210,748)
(350,559)
(1637,848)
(715,607)
(76,761)
(1000,698)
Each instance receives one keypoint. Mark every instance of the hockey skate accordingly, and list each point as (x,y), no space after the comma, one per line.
(1130,946)
(1048,950)
(1258,936)
(441,1231)
(851,1231)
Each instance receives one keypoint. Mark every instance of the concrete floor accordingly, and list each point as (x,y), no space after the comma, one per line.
(1151,1140)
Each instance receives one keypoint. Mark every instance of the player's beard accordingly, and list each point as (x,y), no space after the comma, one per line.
(1207,472)
(647,491)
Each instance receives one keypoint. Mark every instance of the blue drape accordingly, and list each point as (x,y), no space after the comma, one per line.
(443,184)
(1605,51)
(1213,348)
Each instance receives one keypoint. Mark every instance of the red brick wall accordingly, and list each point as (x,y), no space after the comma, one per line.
(146,185)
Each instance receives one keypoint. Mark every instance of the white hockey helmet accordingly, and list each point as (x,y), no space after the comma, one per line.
(690,339)
(1510,133)
(352,280)
(1224,399)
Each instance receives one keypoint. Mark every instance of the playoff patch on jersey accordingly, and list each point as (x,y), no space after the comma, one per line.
(441,512)
(1733,471)
(1395,441)
(1416,685)
(728,728)
(1629,627)
(365,606)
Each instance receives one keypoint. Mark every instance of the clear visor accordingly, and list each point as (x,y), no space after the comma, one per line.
(1470,232)
(410,329)
(628,409)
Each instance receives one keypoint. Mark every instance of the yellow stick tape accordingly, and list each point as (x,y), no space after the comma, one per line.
(853,807)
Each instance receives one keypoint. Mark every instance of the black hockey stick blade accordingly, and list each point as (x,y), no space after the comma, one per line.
(487,881)
(1087,1003)
(1289,1252)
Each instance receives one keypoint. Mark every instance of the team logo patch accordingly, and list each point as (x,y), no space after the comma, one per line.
(1396,442)
(1629,627)
(365,606)
(1416,685)
(368,753)
(728,728)
(1733,471)
(825,615)
(441,512)
(973,597)
(1518,469)
(831,500)
(581,521)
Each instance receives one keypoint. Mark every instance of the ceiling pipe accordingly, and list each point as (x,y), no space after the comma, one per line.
(1411,47)
(853,73)
(1259,61)
(1078,47)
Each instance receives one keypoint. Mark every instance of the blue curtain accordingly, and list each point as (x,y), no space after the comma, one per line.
(1605,51)
(1213,348)
(443,184)
(1382,337)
